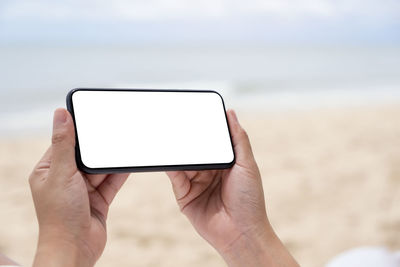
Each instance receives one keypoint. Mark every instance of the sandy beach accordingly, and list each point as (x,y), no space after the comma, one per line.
(331,179)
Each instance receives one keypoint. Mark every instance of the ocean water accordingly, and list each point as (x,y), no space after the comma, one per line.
(36,79)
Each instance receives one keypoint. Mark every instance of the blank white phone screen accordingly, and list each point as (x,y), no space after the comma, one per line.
(151,128)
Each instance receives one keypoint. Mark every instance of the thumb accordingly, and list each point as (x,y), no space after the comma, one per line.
(63,143)
(240,139)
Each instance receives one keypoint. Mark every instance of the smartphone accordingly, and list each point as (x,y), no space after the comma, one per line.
(132,130)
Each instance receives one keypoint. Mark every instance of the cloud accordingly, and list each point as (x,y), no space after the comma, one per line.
(156,10)
(158,21)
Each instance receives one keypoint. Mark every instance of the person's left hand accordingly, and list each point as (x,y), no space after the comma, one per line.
(71,207)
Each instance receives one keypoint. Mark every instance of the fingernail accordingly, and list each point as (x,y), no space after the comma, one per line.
(60,117)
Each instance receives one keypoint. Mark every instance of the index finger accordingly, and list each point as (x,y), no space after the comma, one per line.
(42,166)
(180,183)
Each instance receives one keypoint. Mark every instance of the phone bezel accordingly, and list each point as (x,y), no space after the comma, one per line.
(81,166)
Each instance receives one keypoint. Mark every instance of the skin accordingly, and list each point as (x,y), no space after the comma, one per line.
(6,261)
(226,207)
(71,207)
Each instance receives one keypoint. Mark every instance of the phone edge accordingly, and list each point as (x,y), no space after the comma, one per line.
(81,166)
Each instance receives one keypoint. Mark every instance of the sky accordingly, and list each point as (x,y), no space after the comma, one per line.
(190,21)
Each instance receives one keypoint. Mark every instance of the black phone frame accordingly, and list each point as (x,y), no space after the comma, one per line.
(184,167)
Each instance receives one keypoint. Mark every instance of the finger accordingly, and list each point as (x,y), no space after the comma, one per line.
(111,185)
(44,162)
(63,144)
(191,174)
(240,139)
(96,179)
(41,167)
(180,183)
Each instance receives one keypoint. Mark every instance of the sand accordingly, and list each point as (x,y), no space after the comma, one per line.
(331,179)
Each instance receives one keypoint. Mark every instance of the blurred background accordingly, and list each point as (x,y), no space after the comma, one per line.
(316,83)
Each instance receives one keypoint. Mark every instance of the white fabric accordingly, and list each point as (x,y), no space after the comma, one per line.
(366,257)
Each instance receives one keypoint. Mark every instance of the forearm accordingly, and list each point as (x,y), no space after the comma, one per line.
(264,250)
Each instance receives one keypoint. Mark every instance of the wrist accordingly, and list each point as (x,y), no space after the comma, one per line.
(260,248)
(249,249)
(61,250)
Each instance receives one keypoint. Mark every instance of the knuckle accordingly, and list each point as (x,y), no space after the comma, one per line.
(35,173)
(58,137)
(31,178)
(244,133)
(35,178)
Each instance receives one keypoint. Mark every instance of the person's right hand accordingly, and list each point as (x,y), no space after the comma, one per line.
(227,208)
(71,206)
